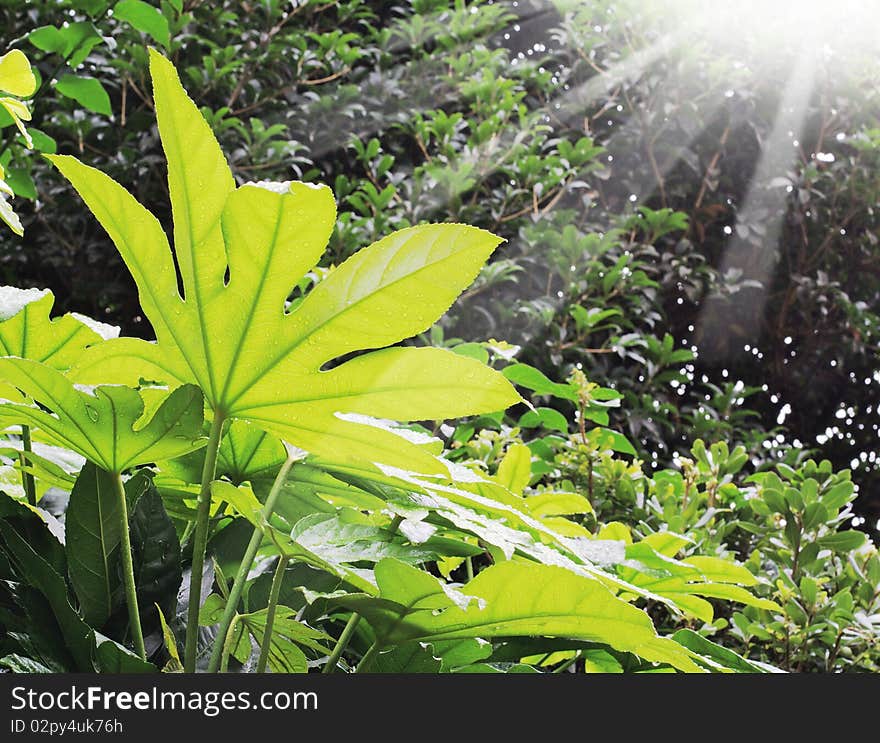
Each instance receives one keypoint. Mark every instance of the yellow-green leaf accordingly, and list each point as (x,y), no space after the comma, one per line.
(105,425)
(510,599)
(240,252)
(16,76)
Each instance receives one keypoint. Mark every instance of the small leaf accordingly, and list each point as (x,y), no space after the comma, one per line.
(73,42)
(16,76)
(241,499)
(515,469)
(605,438)
(532,379)
(175,664)
(87,91)
(145,18)
(843,541)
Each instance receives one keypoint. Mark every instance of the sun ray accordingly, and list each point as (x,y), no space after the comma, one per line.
(751,253)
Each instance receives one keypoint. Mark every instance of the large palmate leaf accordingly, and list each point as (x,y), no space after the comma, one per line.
(105,425)
(240,252)
(510,599)
(27,331)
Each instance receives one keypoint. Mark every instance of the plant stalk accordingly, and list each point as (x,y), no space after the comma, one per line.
(367,660)
(134,617)
(351,625)
(246,562)
(274,593)
(200,543)
(342,643)
(27,479)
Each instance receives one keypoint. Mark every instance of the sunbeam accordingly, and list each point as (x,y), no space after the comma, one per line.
(752,252)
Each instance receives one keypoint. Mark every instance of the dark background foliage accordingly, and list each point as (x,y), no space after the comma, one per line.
(697,231)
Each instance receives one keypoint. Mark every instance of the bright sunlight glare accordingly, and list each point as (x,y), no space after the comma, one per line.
(767,29)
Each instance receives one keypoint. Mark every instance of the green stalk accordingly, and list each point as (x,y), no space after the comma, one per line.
(27,479)
(367,660)
(342,643)
(274,593)
(568,663)
(200,543)
(351,625)
(134,617)
(246,562)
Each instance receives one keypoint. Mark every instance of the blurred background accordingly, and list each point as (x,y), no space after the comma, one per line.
(690,195)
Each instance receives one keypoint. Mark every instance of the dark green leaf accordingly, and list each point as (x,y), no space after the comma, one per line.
(94,531)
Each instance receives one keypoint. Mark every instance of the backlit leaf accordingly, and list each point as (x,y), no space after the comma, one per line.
(253,360)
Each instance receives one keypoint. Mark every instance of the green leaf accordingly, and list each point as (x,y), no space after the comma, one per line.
(507,600)
(174,665)
(27,332)
(288,635)
(247,454)
(412,657)
(43,142)
(253,360)
(605,438)
(241,499)
(600,661)
(111,657)
(515,469)
(718,570)
(16,76)
(718,656)
(73,42)
(549,418)
(145,18)
(93,535)
(842,541)
(212,610)
(20,664)
(20,181)
(155,547)
(87,91)
(39,574)
(532,379)
(557,503)
(8,215)
(100,425)
(341,543)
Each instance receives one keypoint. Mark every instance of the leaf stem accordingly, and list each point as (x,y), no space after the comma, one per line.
(247,561)
(568,663)
(27,479)
(367,660)
(274,593)
(351,625)
(200,543)
(134,618)
(342,643)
